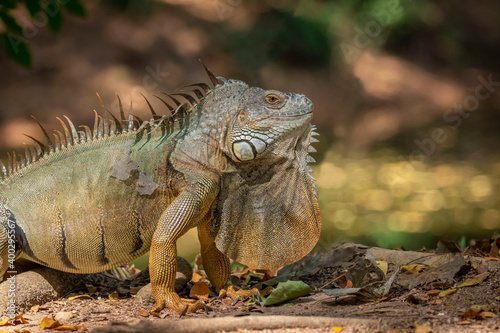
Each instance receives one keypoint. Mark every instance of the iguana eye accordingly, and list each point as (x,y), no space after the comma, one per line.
(272,99)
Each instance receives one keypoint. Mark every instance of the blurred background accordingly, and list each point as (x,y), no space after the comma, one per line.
(406,93)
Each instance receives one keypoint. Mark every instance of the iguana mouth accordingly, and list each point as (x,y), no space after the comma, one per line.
(293,116)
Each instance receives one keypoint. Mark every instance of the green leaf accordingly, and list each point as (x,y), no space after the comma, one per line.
(54,15)
(286,291)
(75,8)
(10,22)
(17,48)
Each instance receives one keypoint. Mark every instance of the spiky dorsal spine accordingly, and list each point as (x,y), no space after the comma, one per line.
(107,125)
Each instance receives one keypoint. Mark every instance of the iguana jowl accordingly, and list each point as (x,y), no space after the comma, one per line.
(232,162)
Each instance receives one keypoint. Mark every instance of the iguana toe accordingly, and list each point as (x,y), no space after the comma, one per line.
(240,294)
(172,301)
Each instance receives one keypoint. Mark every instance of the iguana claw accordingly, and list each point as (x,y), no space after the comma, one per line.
(241,294)
(180,305)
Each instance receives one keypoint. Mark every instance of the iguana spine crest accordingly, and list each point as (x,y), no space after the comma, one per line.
(108,127)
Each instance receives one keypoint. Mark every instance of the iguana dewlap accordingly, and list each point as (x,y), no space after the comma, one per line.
(232,162)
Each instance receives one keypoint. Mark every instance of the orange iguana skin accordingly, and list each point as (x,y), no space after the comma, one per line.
(234,165)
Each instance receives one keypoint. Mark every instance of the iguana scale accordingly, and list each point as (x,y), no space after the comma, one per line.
(231,162)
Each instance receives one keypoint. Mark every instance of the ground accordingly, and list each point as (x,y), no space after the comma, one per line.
(410,303)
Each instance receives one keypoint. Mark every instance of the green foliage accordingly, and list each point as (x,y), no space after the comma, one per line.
(280,37)
(20,29)
(286,291)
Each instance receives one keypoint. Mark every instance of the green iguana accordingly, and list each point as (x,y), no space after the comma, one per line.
(231,162)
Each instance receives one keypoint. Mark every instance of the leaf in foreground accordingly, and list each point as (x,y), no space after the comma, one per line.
(286,291)
(50,324)
(475,280)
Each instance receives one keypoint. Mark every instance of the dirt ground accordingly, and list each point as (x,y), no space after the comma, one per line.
(411,303)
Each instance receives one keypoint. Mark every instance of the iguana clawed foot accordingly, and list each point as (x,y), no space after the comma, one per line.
(180,305)
(240,294)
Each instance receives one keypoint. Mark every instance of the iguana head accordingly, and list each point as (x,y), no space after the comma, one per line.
(263,118)
(267,213)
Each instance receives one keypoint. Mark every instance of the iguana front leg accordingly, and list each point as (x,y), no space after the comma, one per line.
(215,263)
(217,267)
(189,209)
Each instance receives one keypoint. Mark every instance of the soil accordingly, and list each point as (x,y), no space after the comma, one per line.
(403,309)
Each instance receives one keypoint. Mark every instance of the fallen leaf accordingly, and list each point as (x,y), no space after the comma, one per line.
(196,278)
(78,297)
(143,313)
(5,322)
(488,314)
(495,249)
(414,269)
(59,302)
(475,280)
(433,292)
(254,276)
(286,291)
(48,323)
(199,290)
(435,301)
(492,259)
(341,292)
(448,292)
(91,288)
(113,296)
(478,312)
(35,308)
(69,328)
(337,329)
(382,265)
(17,320)
(423,329)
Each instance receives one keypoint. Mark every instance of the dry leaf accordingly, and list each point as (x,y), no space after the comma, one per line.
(435,301)
(196,278)
(464,322)
(488,314)
(337,329)
(433,292)
(383,266)
(91,288)
(78,297)
(48,323)
(475,280)
(17,320)
(448,292)
(113,296)
(199,290)
(423,329)
(70,328)
(59,302)
(414,269)
(35,308)
(143,313)
(5,322)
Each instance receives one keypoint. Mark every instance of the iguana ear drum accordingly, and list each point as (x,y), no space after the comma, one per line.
(245,150)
